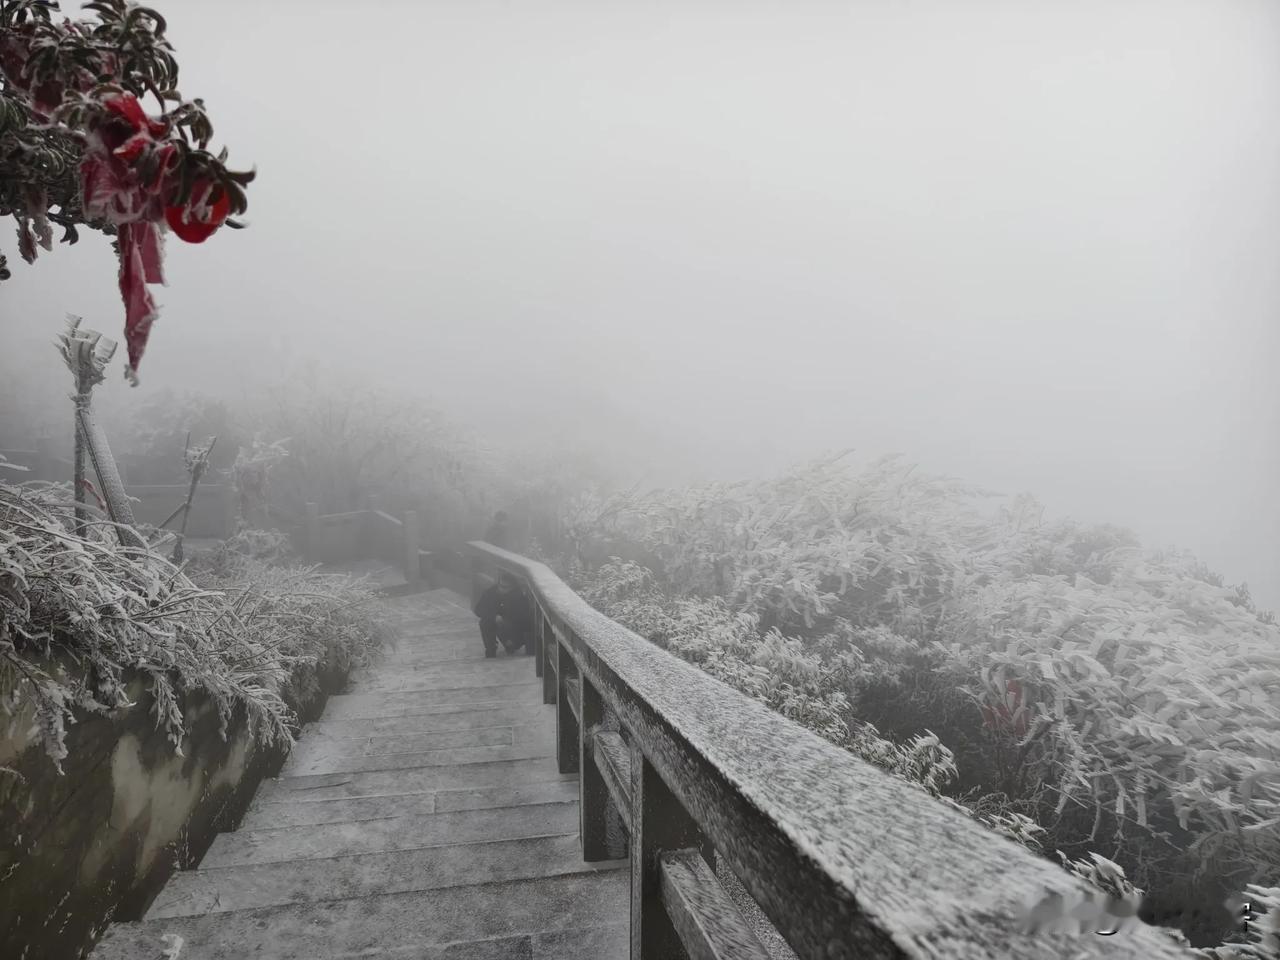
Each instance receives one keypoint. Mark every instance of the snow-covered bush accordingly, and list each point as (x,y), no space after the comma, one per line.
(346,441)
(80,616)
(1158,698)
(1091,691)
(311,439)
(779,671)
(251,475)
(730,647)
(150,432)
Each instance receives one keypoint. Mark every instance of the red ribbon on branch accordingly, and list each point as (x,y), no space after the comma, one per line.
(114,190)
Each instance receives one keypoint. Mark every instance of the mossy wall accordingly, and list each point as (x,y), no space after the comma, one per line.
(98,841)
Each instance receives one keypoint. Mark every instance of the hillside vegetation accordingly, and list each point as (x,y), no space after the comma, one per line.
(1112,706)
(80,614)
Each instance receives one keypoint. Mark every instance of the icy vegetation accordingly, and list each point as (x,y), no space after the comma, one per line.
(1113,708)
(1067,687)
(81,615)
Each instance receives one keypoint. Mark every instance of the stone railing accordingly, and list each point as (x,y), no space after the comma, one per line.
(844,859)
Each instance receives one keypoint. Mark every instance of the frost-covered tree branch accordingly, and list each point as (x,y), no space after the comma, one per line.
(78,148)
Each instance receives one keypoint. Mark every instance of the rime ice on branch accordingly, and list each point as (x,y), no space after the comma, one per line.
(77,147)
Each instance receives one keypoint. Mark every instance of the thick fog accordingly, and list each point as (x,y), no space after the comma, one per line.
(1032,244)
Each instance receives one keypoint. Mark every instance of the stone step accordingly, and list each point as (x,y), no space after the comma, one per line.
(441,623)
(600,943)
(410,652)
(449,717)
(247,887)
(388,783)
(395,704)
(309,747)
(315,751)
(315,841)
(428,624)
(451,674)
(445,636)
(296,814)
(457,654)
(396,660)
(440,635)
(556,916)
(508,795)
(433,626)
(540,748)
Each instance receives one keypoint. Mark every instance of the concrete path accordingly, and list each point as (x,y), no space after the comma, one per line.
(422,818)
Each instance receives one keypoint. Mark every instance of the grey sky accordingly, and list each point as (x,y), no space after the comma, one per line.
(1032,244)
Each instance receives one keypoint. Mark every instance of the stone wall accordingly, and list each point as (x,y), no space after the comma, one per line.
(98,841)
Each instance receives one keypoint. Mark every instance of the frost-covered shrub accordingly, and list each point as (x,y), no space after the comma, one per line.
(299,615)
(788,674)
(251,475)
(1105,875)
(267,546)
(774,669)
(1016,826)
(1104,693)
(345,441)
(150,432)
(80,615)
(878,549)
(1157,697)
(302,439)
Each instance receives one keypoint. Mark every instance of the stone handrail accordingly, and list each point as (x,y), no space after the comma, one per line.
(845,859)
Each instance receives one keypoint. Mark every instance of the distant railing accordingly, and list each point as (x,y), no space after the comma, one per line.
(844,859)
(368,533)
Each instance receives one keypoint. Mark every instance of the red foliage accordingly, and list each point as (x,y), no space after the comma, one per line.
(1009,716)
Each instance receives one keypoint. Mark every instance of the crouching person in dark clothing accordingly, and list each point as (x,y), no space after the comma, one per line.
(504,616)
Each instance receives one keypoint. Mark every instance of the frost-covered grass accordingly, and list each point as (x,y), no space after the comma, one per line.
(1086,693)
(81,615)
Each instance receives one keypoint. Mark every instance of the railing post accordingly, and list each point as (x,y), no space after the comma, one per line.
(600,826)
(659,822)
(567,733)
(539,639)
(313,533)
(412,565)
(549,667)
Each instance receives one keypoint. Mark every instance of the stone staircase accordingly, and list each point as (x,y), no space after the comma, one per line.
(423,816)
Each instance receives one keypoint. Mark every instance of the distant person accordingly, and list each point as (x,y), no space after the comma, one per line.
(498,533)
(505,616)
